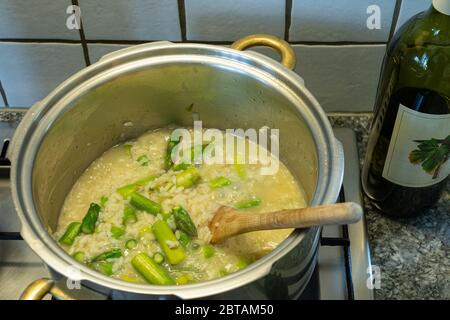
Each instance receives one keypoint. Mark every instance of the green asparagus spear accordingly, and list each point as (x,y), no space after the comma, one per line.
(187,178)
(250,203)
(168,242)
(72,231)
(104,267)
(129,215)
(219,182)
(183,221)
(158,257)
(168,163)
(80,256)
(184,239)
(181,166)
(128,189)
(114,253)
(143,203)
(117,232)
(150,270)
(89,220)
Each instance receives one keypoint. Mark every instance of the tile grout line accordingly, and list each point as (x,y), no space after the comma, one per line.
(3,94)
(182,19)
(41,40)
(107,41)
(337,43)
(83,38)
(287,19)
(395,16)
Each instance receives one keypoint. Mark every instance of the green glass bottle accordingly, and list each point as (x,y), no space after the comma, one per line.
(406,165)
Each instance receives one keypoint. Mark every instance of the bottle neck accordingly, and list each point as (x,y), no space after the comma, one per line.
(442,6)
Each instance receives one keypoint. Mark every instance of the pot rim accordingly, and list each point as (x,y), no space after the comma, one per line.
(42,115)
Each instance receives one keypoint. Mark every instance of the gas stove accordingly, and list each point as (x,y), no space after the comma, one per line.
(343,270)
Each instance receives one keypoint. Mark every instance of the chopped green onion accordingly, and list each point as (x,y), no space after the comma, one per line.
(183,221)
(219,182)
(158,257)
(208,251)
(150,270)
(72,231)
(112,254)
(117,232)
(143,160)
(143,203)
(89,220)
(129,215)
(165,237)
(187,178)
(250,203)
(131,244)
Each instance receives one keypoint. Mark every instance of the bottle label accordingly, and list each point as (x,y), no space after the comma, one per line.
(419,150)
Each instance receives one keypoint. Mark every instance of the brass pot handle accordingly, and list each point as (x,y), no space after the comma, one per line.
(38,289)
(59,289)
(282,47)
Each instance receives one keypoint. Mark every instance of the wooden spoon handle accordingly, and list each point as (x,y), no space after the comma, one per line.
(228,222)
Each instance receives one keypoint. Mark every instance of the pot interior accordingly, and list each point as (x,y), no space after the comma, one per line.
(121,105)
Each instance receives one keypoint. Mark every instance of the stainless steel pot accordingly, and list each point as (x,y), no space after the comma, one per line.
(150,86)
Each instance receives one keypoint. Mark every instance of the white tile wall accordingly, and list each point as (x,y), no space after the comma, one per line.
(230,20)
(339,20)
(130,20)
(410,8)
(342,78)
(97,50)
(35,19)
(32,70)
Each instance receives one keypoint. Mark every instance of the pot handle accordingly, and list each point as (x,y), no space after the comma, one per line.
(282,47)
(39,288)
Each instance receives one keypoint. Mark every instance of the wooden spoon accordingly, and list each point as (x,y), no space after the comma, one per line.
(228,222)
